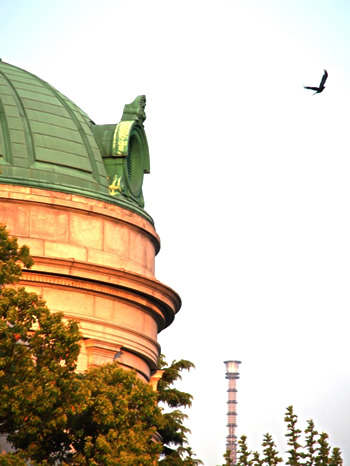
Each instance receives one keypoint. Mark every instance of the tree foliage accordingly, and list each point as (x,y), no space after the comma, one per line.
(310,446)
(315,451)
(38,353)
(114,419)
(244,453)
(11,258)
(51,414)
(293,436)
(270,452)
(176,450)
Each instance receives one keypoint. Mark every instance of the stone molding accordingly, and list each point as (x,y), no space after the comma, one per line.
(158,300)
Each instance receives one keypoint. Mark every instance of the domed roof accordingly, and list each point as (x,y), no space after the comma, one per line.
(47,142)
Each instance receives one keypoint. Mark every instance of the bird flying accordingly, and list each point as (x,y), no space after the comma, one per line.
(321,86)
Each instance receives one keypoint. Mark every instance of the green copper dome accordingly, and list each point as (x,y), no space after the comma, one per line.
(47,142)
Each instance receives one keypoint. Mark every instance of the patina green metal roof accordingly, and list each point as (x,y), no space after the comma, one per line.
(46,141)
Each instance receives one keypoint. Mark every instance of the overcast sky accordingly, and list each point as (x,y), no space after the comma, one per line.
(249,186)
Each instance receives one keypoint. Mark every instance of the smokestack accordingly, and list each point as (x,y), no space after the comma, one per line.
(232,375)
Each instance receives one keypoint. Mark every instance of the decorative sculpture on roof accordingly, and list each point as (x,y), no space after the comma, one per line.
(136,110)
(125,152)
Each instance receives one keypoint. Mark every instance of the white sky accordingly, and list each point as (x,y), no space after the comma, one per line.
(249,185)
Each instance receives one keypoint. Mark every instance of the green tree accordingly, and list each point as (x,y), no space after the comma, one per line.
(114,419)
(322,458)
(52,415)
(11,258)
(315,452)
(173,432)
(336,459)
(12,459)
(38,353)
(243,453)
(293,435)
(257,461)
(310,446)
(227,458)
(270,452)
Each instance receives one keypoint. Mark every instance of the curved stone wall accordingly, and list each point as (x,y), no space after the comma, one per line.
(95,262)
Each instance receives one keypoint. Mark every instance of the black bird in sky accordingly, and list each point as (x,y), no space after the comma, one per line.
(321,86)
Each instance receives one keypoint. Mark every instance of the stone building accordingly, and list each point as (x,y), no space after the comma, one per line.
(72,191)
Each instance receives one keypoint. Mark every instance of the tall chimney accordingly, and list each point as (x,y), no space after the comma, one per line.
(232,375)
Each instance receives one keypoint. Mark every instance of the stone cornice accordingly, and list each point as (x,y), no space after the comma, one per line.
(153,296)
